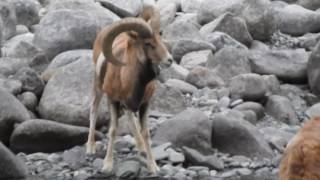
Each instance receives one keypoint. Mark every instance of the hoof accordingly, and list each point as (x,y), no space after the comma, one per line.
(91,148)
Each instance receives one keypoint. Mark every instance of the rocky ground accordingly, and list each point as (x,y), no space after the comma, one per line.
(246,77)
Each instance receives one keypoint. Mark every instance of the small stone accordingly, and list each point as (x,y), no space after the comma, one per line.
(160,151)
(98,163)
(176,157)
(244,171)
(203,173)
(54,158)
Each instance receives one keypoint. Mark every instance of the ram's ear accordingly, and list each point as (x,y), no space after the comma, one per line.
(133,35)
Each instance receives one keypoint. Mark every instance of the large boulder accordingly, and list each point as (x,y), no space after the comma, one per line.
(260,19)
(281,109)
(287,65)
(20,46)
(8,19)
(39,135)
(232,134)
(11,112)
(190,128)
(10,166)
(210,9)
(253,86)
(27,11)
(66,21)
(229,62)
(168,100)
(226,23)
(296,20)
(66,97)
(314,71)
(64,59)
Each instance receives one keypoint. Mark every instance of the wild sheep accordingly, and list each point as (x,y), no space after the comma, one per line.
(127,55)
(301,160)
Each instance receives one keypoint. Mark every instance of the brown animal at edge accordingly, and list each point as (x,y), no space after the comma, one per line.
(127,56)
(301,159)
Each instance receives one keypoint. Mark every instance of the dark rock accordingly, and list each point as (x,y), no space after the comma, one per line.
(195,158)
(229,62)
(8,20)
(69,20)
(313,70)
(252,106)
(11,112)
(226,23)
(221,40)
(47,136)
(287,65)
(30,80)
(27,11)
(281,109)
(11,167)
(66,97)
(189,128)
(232,134)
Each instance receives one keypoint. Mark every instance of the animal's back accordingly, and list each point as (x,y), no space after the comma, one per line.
(301,160)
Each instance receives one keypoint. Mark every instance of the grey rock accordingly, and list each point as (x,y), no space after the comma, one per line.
(232,134)
(258,45)
(253,86)
(203,77)
(175,71)
(168,100)
(287,65)
(9,66)
(295,95)
(39,62)
(29,100)
(20,46)
(278,137)
(229,62)
(221,40)
(11,167)
(313,71)
(66,97)
(195,158)
(251,106)
(21,29)
(69,20)
(160,152)
(167,14)
(250,116)
(176,157)
(183,86)
(12,111)
(260,19)
(11,85)
(309,41)
(281,109)
(190,6)
(75,157)
(123,8)
(210,9)
(196,58)
(185,46)
(313,111)
(30,80)
(226,23)
(309,4)
(8,20)
(47,136)
(296,20)
(27,11)
(64,59)
(128,169)
(189,128)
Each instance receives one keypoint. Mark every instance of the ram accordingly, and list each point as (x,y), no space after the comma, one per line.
(127,56)
(301,160)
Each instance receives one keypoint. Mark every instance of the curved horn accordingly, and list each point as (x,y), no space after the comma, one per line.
(111,32)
